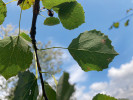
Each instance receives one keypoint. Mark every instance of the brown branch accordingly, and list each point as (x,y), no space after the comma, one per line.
(36,8)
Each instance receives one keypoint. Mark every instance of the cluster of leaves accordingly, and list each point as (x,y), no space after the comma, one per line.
(126,23)
(117,24)
(50,60)
(91,49)
(29,88)
(66,10)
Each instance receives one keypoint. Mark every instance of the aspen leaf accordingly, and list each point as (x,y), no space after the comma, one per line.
(3,11)
(15,56)
(92,50)
(27,88)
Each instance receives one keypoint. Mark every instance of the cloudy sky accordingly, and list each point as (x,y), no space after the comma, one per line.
(100,14)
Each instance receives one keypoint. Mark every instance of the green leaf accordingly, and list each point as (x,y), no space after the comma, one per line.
(103,97)
(129,10)
(52,3)
(64,89)
(25,36)
(15,56)
(27,88)
(71,15)
(26,4)
(92,50)
(51,94)
(127,23)
(50,21)
(3,11)
(116,25)
(56,9)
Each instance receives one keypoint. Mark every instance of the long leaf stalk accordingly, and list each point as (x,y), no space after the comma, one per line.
(36,8)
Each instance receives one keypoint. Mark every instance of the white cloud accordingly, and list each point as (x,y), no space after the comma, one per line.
(80,94)
(124,71)
(119,86)
(99,86)
(77,74)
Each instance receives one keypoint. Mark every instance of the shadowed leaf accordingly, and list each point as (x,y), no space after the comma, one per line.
(71,15)
(92,50)
(27,88)
(51,94)
(50,21)
(64,89)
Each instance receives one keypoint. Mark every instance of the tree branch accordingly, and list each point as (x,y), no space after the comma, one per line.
(36,8)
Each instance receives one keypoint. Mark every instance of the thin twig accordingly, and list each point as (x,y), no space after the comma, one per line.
(42,15)
(10,2)
(20,20)
(53,48)
(125,17)
(36,8)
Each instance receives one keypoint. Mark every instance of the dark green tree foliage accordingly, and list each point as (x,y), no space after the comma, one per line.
(64,89)
(27,88)
(50,21)
(50,92)
(96,46)
(67,10)
(50,60)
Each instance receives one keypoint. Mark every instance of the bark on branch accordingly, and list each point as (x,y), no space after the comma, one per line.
(36,8)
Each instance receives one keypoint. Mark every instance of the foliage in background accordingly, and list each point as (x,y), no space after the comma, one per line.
(50,60)
(126,20)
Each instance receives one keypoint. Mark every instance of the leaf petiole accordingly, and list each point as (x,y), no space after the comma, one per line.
(10,2)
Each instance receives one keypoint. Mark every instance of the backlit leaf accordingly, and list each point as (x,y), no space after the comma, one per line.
(27,88)
(25,36)
(52,3)
(92,50)
(116,25)
(26,4)
(15,56)
(3,11)
(127,23)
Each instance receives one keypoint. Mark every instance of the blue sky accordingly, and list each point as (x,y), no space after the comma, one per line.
(99,14)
